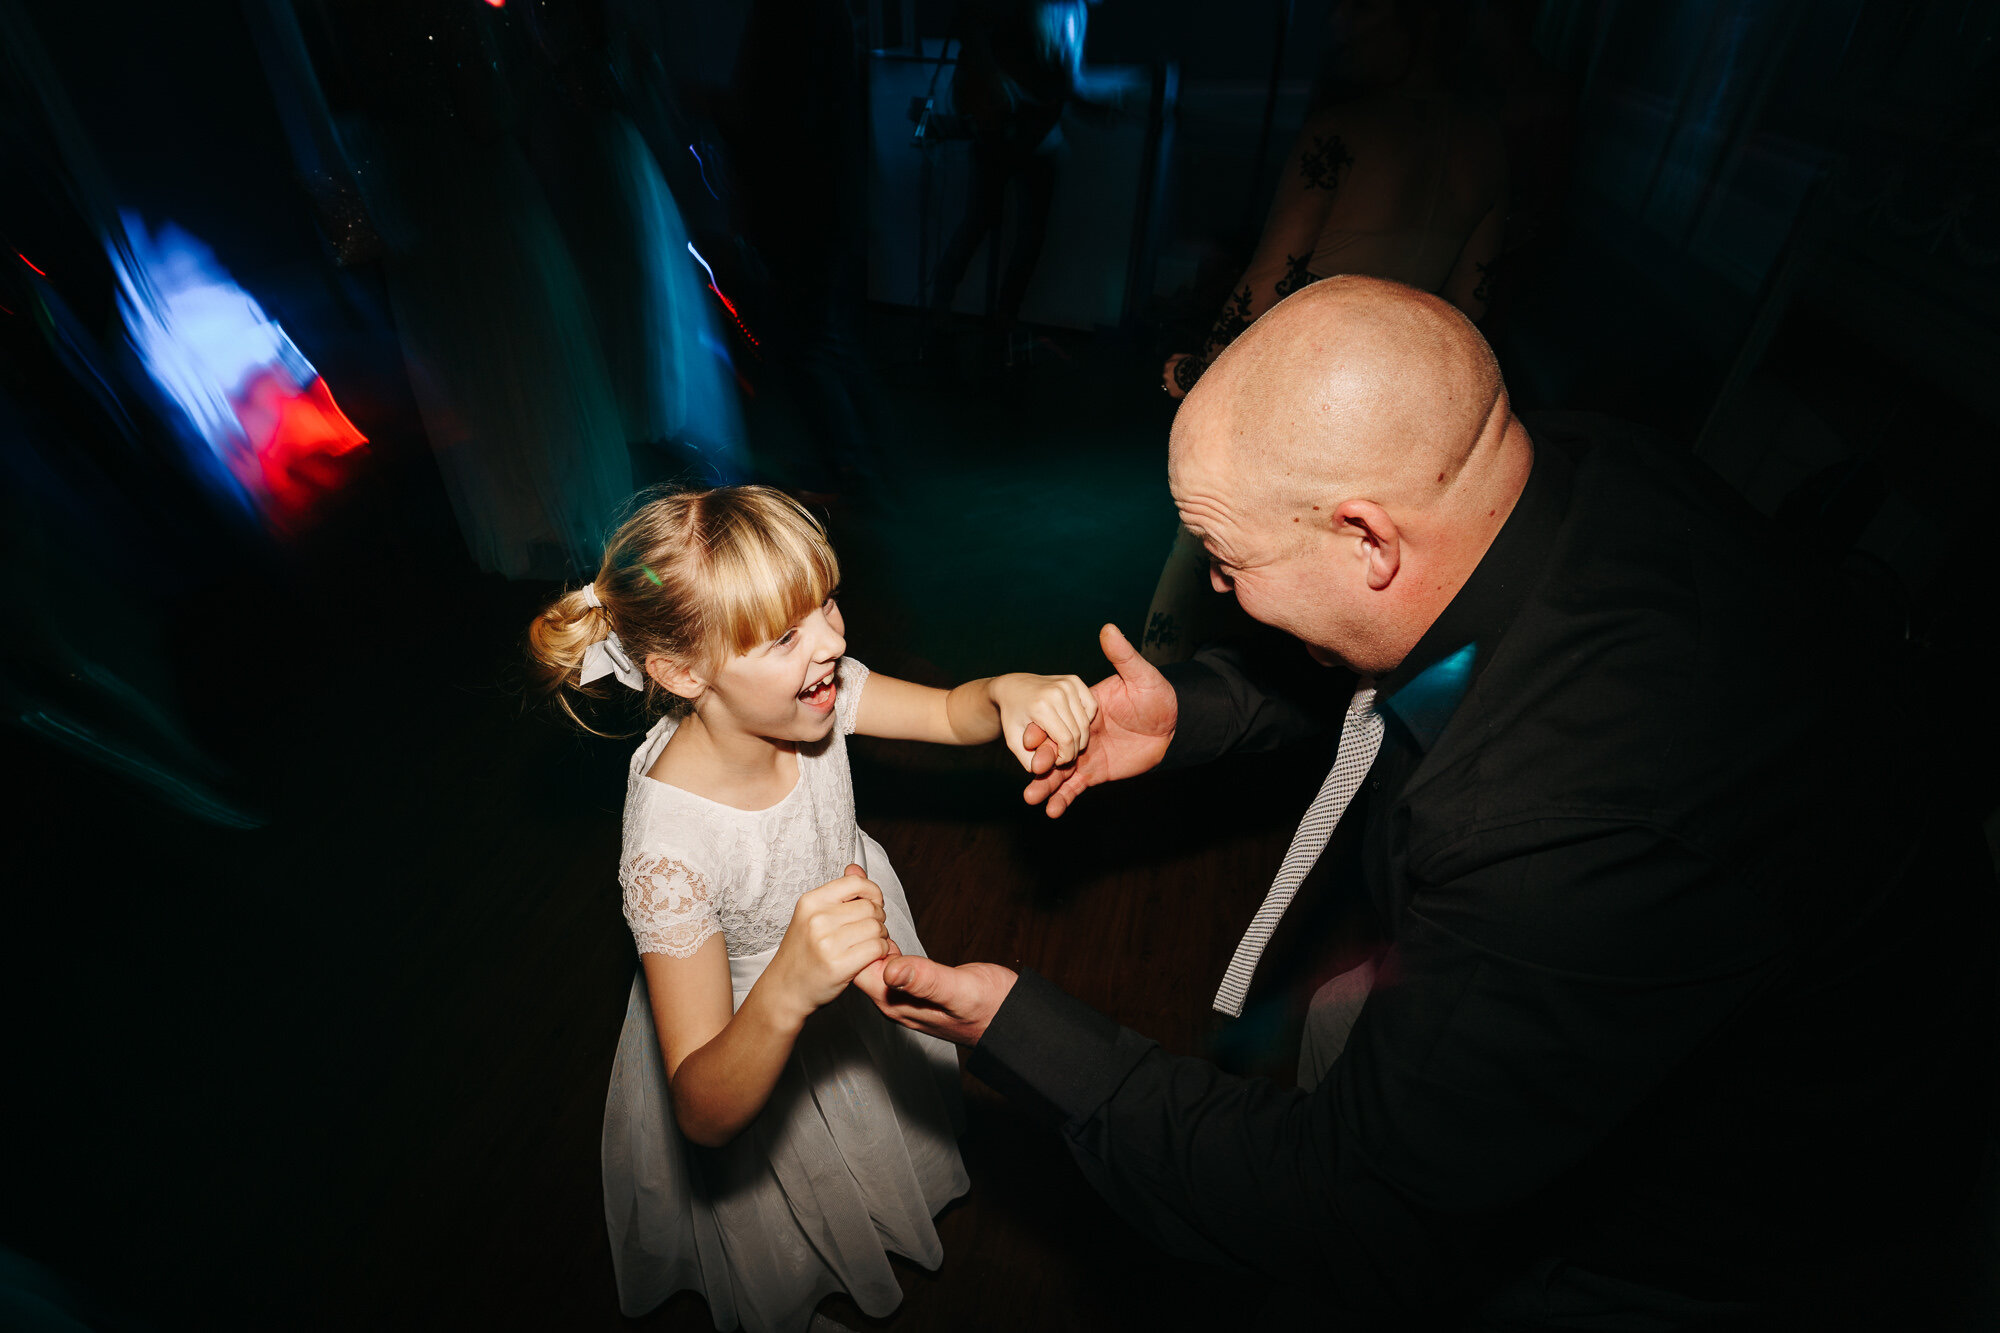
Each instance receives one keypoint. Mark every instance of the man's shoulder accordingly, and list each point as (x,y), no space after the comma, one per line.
(1670,649)
(1651,533)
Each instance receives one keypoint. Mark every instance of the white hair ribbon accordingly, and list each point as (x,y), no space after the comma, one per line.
(607,657)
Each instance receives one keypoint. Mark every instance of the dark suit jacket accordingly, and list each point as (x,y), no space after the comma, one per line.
(1681,966)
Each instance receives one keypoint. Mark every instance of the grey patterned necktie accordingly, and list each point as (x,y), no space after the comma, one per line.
(1360,738)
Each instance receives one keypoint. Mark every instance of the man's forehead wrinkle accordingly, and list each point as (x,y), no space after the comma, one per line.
(1208,512)
(1212,442)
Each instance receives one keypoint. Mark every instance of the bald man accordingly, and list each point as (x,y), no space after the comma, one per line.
(1667,1030)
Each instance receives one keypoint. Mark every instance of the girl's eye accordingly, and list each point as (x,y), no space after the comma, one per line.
(787,637)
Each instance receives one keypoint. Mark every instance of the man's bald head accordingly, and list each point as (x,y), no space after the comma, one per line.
(1347,461)
(1353,382)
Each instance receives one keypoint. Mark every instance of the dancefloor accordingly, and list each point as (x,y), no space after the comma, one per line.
(346,1070)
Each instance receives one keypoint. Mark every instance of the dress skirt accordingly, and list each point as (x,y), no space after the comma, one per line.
(852,1157)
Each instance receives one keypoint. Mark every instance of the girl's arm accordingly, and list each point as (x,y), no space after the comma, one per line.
(996,707)
(722,1066)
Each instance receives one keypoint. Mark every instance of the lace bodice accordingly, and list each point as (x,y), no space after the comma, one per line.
(693,868)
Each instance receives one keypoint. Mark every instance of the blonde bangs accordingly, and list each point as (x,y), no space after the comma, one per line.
(693,577)
(769,564)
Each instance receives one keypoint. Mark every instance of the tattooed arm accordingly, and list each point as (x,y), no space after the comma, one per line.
(1470,283)
(1318,163)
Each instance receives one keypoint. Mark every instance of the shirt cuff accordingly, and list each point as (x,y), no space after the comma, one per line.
(1052,1055)
(1202,709)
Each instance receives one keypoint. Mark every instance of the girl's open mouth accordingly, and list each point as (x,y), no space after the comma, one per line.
(820,695)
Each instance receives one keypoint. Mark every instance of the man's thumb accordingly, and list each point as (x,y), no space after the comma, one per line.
(911,975)
(1124,658)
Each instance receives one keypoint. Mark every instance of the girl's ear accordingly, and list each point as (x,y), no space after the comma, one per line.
(673,677)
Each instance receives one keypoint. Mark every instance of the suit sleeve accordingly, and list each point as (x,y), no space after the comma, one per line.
(1439,1123)
(1248,700)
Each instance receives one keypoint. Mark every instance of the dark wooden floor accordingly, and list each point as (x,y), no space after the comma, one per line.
(347,1069)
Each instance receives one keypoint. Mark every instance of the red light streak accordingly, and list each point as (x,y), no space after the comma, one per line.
(730,306)
(295,434)
(29,262)
(727,304)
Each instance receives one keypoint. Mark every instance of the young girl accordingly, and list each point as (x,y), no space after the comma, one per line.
(769,1136)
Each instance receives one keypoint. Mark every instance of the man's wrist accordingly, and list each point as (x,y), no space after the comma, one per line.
(1051,1054)
(1004,981)
(1190,681)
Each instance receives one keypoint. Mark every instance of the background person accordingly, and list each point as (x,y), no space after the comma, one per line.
(1394,175)
(1020,64)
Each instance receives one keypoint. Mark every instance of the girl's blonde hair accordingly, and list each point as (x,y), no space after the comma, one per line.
(694,576)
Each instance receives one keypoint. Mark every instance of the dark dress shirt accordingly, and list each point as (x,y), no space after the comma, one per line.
(1681,969)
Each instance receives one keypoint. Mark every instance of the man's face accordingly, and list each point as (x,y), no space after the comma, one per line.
(1281,565)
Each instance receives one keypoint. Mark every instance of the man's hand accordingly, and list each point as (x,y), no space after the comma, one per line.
(1136,715)
(955,1003)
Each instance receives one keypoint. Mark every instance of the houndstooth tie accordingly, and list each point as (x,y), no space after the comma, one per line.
(1360,738)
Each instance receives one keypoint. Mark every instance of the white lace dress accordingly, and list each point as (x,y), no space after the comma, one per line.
(857,1149)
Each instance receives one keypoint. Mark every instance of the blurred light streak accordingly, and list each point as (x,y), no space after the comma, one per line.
(81,352)
(29,262)
(187,793)
(704,183)
(727,304)
(264,414)
(293,431)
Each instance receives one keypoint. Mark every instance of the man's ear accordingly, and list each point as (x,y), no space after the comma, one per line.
(1380,543)
(674,677)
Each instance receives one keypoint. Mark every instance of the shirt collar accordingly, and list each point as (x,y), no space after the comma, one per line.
(1424,691)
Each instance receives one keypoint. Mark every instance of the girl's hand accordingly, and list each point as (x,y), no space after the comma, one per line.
(837,930)
(1062,706)
(1130,735)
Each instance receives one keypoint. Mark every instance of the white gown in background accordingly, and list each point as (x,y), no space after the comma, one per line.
(857,1149)
(502,354)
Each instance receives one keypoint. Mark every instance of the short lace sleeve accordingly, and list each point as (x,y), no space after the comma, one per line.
(668,904)
(847,703)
